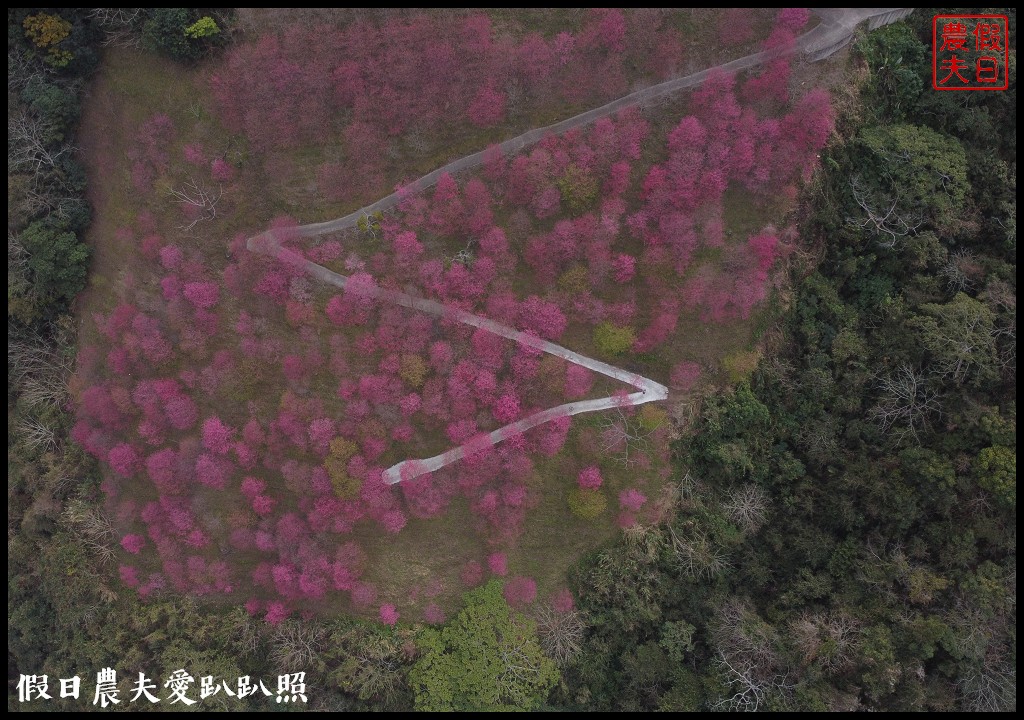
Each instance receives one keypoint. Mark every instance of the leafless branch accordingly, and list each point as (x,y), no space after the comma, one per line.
(889,223)
(747,506)
(22,69)
(907,404)
(750,693)
(120,26)
(27,150)
(830,638)
(992,687)
(956,270)
(297,645)
(198,200)
(36,434)
(95,531)
(699,557)
(624,437)
(560,632)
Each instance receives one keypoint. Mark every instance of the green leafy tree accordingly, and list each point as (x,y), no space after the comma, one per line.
(960,336)
(47,32)
(908,176)
(613,339)
(203,27)
(578,188)
(996,469)
(166,32)
(487,658)
(587,503)
(57,261)
(57,106)
(896,58)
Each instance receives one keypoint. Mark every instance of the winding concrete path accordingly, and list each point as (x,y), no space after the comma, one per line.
(829,36)
(834,32)
(647,390)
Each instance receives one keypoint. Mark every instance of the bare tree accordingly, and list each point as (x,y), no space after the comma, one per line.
(515,97)
(27,149)
(906,404)
(36,434)
(93,528)
(560,632)
(116,17)
(44,392)
(22,69)
(121,25)
(829,638)
(958,269)
(820,437)
(39,369)
(375,668)
(991,686)
(247,631)
(296,645)
(199,201)
(747,506)
(370,224)
(1003,299)
(625,437)
(751,691)
(695,552)
(465,256)
(17,264)
(747,653)
(888,219)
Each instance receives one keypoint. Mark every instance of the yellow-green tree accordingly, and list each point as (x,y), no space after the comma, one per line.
(47,32)
(336,465)
(203,27)
(487,658)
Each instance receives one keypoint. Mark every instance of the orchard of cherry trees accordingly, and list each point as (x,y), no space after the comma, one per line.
(246,411)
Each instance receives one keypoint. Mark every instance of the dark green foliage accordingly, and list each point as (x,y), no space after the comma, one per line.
(898,61)
(883,574)
(167,31)
(47,210)
(926,171)
(57,260)
(55,104)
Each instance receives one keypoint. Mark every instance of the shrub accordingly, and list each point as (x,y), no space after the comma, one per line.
(684,375)
(177,32)
(388,614)
(520,591)
(203,27)
(578,188)
(57,260)
(612,339)
(586,503)
(336,465)
(575,280)
(412,370)
(739,365)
